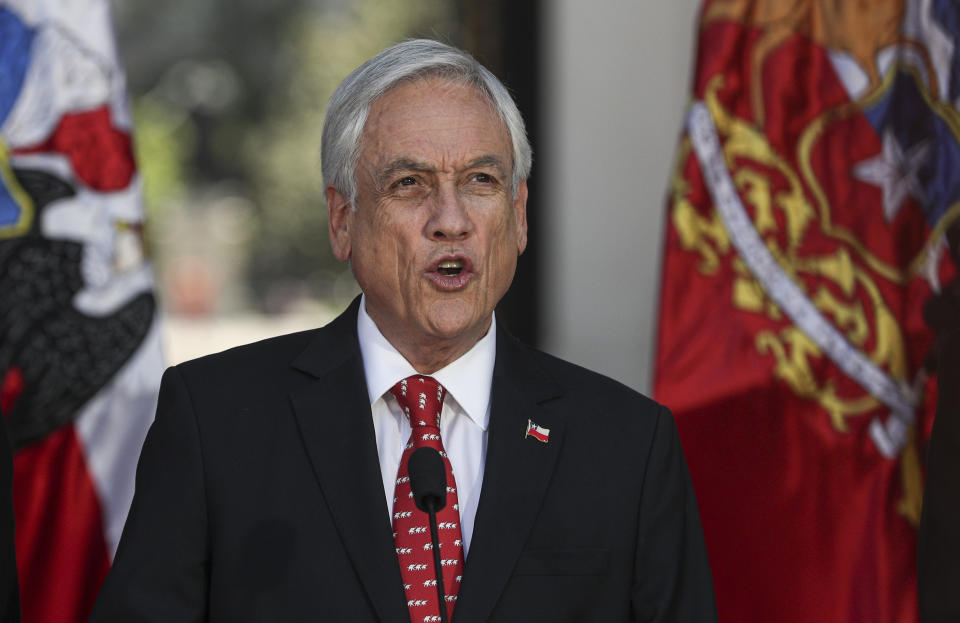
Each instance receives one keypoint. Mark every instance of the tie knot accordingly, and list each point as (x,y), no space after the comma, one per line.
(421,398)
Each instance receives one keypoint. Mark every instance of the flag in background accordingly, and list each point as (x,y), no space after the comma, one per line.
(815,182)
(79,345)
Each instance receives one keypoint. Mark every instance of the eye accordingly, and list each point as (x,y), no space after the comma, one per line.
(484,178)
(407,181)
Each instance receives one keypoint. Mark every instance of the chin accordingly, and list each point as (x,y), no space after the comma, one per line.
(456,318)
(452,328)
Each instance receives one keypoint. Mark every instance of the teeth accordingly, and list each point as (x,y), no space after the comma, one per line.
(450,267)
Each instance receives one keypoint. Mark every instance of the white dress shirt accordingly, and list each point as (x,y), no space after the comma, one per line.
(463,420)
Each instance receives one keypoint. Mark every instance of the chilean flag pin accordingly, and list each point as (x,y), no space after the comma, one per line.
(539,433)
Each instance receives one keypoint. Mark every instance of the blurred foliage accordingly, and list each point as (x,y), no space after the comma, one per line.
(228,100)
(165,139)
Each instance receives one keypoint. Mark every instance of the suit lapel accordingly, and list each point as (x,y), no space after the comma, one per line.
(515,479)
(333,413)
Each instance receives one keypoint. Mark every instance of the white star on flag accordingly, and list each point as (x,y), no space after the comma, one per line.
(895,172)
(539,433)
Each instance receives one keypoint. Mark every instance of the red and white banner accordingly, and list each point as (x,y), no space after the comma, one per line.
(817,176)
(80,357)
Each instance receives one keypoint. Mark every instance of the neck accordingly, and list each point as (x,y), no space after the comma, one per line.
(431,354)
(427,360)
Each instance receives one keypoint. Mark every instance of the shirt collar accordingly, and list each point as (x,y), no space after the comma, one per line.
(467,379)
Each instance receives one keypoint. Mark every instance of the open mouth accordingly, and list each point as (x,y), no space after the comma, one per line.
(452,272)
(450,268)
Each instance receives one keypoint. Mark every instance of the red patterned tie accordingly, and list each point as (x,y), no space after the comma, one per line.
(421,398)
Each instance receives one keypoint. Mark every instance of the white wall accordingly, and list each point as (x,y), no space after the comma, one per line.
(617,87)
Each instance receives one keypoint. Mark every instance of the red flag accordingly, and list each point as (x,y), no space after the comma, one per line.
(813,186)
(79,346)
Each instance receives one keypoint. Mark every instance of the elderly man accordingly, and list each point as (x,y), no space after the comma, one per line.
(274,484)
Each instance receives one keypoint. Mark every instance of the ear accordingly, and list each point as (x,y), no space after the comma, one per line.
(339,217)
(520,212)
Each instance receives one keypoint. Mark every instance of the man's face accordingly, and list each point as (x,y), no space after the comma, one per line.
(436,232)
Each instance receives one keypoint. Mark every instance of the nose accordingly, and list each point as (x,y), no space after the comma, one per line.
(449,219)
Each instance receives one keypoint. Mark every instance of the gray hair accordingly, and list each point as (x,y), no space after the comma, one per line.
(405,62)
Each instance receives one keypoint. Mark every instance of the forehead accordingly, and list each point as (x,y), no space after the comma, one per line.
(434,119)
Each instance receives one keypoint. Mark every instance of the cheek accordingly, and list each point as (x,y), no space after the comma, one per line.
(391,253)
(503,249)
(507,233)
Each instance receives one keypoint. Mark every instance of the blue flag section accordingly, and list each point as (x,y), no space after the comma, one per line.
(15,41)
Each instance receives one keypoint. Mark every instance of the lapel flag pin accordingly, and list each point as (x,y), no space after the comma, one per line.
(539,433)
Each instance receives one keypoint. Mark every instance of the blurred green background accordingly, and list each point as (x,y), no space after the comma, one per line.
(228,98)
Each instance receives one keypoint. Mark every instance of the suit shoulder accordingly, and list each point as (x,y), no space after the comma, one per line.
(577,380)
(244,377)
(250,358)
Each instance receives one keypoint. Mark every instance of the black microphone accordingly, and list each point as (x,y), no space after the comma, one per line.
(428,479)
(428,482)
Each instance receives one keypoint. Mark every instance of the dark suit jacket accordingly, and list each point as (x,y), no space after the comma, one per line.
(259,498)
(939,551)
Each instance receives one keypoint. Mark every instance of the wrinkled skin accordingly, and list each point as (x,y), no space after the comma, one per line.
(434,185)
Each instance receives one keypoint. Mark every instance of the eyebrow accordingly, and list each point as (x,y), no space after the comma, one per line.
(398,165)
(406,164)
(487,161)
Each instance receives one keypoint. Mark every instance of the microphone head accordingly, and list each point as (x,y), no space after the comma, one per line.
(428,478)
